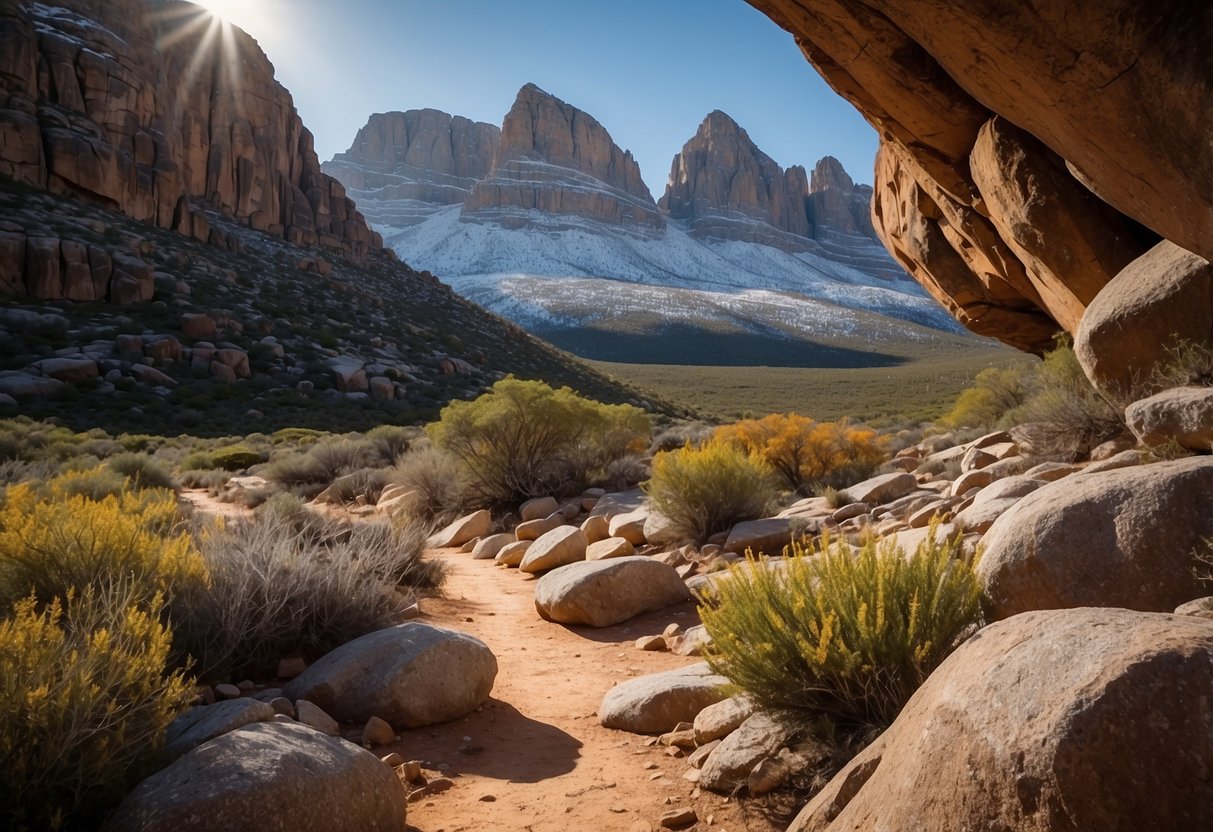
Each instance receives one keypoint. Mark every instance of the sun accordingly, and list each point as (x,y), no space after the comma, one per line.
(227,10)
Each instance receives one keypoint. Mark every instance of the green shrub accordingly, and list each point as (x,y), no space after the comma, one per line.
(84,703)
(235,458)
(95,483)
(438,480)
(834,498)
(338,457)
(996,391)
(197,461)
(365,482)
(297,470)
(1064,416)
(277,589)
(142,471)
(846,634)
(390,442)
(525,439)
(710,489)
(57,542)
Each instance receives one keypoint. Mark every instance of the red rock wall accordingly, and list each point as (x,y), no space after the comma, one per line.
(147,108)
(998,121)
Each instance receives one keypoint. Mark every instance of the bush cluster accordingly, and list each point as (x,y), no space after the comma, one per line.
(807,454)
(85,699)
(708,490)
(845,633)
(525,439)
(286,583)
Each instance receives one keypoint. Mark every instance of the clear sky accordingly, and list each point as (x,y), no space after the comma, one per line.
(648,70)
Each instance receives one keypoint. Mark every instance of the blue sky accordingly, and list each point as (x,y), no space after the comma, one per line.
(648,70)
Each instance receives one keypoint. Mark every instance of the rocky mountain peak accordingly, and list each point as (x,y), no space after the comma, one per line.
(130,106)
(557,160)
(400,163)
(829,173)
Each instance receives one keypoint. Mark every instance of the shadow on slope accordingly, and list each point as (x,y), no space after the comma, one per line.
(689,345)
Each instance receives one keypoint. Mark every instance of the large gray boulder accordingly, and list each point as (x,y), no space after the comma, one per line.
(1182,414)
(410,675)
(883,489)
(1122,538)
(1050,721)
(656,703)
(205,722)
(605,592)
(268,777)
(464,530)
(1132,327)
(730,763)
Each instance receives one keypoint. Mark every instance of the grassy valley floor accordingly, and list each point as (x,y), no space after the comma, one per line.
(923,388)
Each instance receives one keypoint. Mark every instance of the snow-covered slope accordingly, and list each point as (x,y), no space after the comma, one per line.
(483,261)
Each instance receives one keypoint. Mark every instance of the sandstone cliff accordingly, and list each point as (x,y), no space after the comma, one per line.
(996,139)
(556,165)
(726,188)
(401,163)
(162,114)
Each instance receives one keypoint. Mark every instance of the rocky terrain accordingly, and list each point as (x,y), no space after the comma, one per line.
(563,201)
(171,250)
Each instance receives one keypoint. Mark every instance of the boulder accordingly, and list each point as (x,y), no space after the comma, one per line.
(489,547)
(558,547)
(1182,414)
(1048,721)
(28,386)
(67,369)
(767,537)
(410,675)
(268,776)
(630,526)
(596,527)
(759,737)
(606,592)
(203,723)
(883,489)
(538,508)
(718,721)
(659,530)
(1120,538)
(316,718)
(467,528)
(512,554)
(656,703)
(382,388)
(619,502)
(535,529)
(1160,300)
(349,374)
(612,547)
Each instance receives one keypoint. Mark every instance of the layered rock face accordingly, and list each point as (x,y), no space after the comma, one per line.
(160,113)
(556,165)
(725,187)
(401,164)
(996,141)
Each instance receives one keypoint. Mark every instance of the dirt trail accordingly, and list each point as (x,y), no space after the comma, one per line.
(535,757)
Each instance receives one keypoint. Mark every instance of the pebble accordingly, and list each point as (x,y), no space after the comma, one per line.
(679,818)
(227,691)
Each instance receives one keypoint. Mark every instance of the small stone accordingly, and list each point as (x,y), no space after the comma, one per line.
(691,774)
(487,798)
(679,818)
(227,691)
(394,760)
(672,630)
(411,771)
(247,686)
(290,668)
(282,705)
(701,753)
(377,732)
(652,644)
(314,716)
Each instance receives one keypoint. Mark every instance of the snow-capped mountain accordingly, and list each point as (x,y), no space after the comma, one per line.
(559,233)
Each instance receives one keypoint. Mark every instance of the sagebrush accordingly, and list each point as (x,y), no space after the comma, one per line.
(845,633)
(703,491)
(84,703)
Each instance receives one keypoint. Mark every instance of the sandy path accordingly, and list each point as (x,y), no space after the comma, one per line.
(535,757)
(203,502)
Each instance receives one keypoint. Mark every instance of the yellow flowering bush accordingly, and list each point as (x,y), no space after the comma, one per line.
(843,632)
(84,704)
(53,541)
